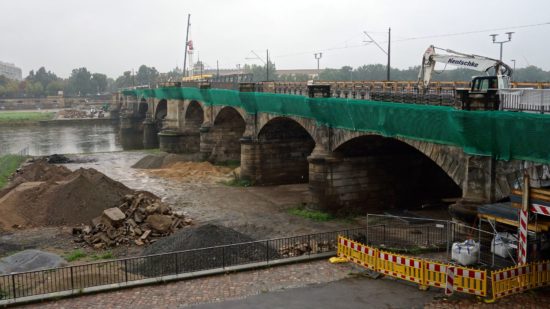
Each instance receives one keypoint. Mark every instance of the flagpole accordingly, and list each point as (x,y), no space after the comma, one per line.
(186,44)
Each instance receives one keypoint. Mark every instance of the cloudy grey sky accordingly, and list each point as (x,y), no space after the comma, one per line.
(111,36)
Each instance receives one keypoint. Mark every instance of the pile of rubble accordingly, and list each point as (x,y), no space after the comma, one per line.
(140,219)
(298,249)
(73,114)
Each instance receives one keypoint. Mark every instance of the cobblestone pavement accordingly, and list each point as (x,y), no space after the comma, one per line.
(209,289)
(313,286)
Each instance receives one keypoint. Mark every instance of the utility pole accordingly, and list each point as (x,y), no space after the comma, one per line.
(217,69)
(186,44)
(318,56)
(501,42)
(514,61)
(267,65)
(389,53)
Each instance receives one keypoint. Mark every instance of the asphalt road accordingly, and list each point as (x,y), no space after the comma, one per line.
(358,292)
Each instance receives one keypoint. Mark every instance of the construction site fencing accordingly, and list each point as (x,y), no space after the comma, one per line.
(156,268)
(410,234)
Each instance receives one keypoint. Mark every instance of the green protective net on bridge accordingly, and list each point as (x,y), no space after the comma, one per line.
(501,134)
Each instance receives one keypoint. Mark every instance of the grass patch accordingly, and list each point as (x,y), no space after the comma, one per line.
(8,165)
(17,116)
(314,215)
(75,255)
(230,163)
(108,255)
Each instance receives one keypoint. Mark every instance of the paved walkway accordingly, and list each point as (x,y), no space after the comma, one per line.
(316,284)
(209,289)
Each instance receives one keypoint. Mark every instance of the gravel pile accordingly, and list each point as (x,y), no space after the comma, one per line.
(205,236)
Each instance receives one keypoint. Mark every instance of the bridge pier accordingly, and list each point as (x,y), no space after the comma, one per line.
(131,132)
(150,134)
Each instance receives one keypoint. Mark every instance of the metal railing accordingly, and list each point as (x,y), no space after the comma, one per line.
(123,271)
(525,100)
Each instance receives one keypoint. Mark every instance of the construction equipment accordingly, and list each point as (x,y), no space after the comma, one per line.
(483,91)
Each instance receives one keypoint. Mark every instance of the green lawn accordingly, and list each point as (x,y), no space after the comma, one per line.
(8,165)
(18,116)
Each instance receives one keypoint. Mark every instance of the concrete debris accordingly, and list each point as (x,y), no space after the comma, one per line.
(139,219)
(302,248)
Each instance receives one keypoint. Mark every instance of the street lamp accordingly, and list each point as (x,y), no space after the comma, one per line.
(318,57)
(501,42)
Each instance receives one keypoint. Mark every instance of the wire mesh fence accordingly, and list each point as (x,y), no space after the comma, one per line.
(429,235)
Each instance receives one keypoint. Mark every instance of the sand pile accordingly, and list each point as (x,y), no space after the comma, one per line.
(53,195)
(193,172)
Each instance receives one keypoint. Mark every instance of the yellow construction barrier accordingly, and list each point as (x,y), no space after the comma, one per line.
(512,280)
(401,267)
(541,274)
(471,281)
(505,282)
(424,272)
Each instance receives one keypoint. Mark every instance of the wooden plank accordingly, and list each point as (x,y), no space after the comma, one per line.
(539,227)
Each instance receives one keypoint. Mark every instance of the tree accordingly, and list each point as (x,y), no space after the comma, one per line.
(124,81)
(54,87)
(80,82)
(259,72)
(146,75)
(99,82)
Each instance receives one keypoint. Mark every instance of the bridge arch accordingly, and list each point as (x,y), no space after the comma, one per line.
(370,172)
(161,110)
(284,145)
(193,116)
(222,141)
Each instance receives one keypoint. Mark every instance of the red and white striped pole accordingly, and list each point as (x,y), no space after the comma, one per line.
(449,288)
(523,222)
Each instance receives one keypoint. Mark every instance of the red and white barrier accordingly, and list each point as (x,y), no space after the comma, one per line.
(540,209)
(522,241)
(449,288)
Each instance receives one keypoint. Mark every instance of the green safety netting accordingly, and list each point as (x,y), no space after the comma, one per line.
(501,134)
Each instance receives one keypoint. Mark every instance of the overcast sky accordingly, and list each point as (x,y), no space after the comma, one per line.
(112,36)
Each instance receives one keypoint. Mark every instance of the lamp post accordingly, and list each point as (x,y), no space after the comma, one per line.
(318,57)
(501,42)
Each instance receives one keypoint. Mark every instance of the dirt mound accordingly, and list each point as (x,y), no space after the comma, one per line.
(205,236)
(193,171)
(38,170)
(56,197)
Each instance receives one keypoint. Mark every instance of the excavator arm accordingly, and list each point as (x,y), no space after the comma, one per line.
(474,62)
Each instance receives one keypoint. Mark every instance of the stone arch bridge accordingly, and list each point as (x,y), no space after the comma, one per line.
(352,160)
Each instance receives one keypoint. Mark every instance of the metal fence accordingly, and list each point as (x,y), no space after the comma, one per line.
(123,271)
(525,100)
(420,234)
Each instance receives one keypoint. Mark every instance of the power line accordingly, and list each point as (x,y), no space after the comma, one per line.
(412,39)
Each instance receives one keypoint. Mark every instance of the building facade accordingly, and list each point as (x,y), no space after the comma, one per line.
(10,71)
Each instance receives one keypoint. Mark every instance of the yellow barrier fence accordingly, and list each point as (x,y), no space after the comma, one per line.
(505,282)
(401,267)
(512,280)
(423,272)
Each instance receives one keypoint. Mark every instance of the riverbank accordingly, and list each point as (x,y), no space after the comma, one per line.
(22,118)
(84,121)
(8,165)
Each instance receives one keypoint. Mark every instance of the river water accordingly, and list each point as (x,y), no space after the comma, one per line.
(66,138)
